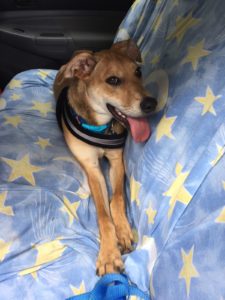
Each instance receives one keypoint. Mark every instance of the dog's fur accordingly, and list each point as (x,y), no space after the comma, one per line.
(88,93)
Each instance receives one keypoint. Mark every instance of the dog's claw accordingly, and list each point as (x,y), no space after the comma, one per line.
(125,238)
(109,262)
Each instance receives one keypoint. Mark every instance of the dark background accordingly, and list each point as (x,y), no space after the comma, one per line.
(44,33)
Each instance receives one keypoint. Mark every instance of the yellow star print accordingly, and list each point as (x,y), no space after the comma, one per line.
(151,213)
(70,209)
(4,249)
(194,54)
(220,153)
(155,59)
(6,210)
(43,108)
(165,127)
(14,83)
(221,217)
(46,253)
(135,235)
(2,103)
(80,290)
(177,191)
(43,73)
(82,194)
(14,120)
(208,101)
(43,143)
(188,270)
(157,23)
(183,24)
(22,168)
(15,97)
(134,190)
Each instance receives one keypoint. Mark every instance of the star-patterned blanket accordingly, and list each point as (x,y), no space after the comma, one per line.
(175,183)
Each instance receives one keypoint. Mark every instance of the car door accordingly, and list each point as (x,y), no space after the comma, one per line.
(44,33)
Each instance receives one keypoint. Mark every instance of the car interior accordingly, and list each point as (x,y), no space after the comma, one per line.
(172,52)
(44,34)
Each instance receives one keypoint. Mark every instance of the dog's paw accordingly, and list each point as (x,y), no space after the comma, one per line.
(125,236)
(109,261)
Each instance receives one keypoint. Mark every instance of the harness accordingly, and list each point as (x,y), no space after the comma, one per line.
(100,136)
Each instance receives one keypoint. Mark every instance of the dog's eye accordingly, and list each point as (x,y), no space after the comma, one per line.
(113,80)
(138,72)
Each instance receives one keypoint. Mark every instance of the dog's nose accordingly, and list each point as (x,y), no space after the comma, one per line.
(148,104)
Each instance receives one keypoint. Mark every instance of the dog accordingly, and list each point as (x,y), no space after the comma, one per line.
(105,96)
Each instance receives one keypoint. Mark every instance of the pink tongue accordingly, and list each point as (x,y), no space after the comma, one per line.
(140,129)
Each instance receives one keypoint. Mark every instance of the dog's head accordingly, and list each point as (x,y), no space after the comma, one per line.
(112,81)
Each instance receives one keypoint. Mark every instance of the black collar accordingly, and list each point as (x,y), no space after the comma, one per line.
(104,140)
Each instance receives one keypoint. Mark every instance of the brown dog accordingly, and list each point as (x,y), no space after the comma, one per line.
(102,87)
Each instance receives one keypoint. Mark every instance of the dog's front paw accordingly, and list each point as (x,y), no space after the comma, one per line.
(109,261)
(125,236)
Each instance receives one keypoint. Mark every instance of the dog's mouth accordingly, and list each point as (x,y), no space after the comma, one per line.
(118,115)
(139,127)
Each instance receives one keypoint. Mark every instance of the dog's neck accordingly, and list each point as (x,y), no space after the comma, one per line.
(80,102)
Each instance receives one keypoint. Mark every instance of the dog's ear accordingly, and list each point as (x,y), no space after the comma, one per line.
(128,48)
(81,65)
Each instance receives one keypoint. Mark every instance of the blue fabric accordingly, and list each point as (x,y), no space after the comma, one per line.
(94,128)
(175,182)
(112,287)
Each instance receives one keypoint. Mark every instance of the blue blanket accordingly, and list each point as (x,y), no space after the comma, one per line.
(175,184)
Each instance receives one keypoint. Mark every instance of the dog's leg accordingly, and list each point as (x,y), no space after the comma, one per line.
(109,259)
(117,205)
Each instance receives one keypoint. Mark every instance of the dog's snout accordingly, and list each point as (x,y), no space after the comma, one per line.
(148,104)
